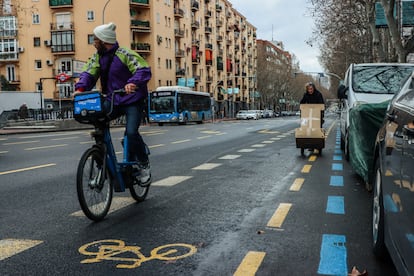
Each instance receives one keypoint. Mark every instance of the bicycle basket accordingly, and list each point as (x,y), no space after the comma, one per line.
(88,107)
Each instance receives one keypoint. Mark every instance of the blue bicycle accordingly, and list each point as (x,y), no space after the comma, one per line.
(99,172)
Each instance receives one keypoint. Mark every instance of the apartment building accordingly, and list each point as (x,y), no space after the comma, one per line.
(204,44)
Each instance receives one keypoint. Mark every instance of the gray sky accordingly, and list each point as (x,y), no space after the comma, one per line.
(292,25)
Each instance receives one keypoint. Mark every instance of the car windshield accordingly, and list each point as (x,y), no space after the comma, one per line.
(385,79)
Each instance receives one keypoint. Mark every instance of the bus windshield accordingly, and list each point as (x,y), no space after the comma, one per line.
(162,102)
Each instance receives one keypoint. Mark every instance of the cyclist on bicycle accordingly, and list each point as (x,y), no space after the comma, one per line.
(119,67)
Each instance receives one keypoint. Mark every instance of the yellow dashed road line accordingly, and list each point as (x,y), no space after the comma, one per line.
(297,184)
(280,215)
(250,264)
(306,168)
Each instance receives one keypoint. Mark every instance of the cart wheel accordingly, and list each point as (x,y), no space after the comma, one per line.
(302,151)
(320,152)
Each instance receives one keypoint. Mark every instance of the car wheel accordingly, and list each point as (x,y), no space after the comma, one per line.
(378,244)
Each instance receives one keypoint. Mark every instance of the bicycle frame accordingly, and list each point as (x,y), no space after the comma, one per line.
(111,161)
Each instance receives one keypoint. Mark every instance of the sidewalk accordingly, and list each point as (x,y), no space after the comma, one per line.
(50,126)
(64,125)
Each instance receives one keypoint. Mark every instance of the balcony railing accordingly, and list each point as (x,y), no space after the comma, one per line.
(63,48)
(141,47)
(60,3)
(178,33)
(195,5)
(178,12)
(140,25)
(179,53)
(140,2)
(62,26)
(9,56)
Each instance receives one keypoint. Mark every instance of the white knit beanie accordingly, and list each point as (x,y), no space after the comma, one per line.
(106,33)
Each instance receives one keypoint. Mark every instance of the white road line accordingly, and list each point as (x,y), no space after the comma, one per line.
(207,166)
(10,247)
(246,150)
(230,157)
(171,181)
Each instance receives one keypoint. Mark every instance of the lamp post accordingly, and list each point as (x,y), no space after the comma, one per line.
(103,11)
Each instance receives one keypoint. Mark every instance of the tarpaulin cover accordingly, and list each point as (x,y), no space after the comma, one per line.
(364,122)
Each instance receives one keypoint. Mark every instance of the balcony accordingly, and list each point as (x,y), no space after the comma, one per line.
(9,56)
(140,25)
(208,14)
(219,38)
(179,13)
(195,5)
(196,60)
(60,4)
(139,3)
(180,72)
(63,26)
(208,30)
(141,47)
(179,33)
(209,46)
(179,53)
(195,24)
(68,48)
(218,8)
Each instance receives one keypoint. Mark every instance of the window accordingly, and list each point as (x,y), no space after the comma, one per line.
(7,7)
(35,18)
(11,73)
(90,39)
(8,49)
(63,20)
(66,90)
(63,41)
(8,25)
(38,64)
(36,41)
(65,66)
(90,15)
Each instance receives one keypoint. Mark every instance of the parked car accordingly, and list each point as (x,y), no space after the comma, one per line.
(247,115)
(368,83)
(393,182)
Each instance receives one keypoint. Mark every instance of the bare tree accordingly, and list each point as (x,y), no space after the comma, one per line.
(346,32)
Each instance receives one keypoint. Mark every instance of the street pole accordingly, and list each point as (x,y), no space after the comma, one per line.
(103,11)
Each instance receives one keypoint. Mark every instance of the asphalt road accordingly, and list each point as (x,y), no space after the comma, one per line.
(231,198)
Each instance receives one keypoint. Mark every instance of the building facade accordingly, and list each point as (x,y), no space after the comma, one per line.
(203,44)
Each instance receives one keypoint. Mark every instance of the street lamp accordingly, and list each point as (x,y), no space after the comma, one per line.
(103,11)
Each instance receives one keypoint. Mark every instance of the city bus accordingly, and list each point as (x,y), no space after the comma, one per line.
(178,104)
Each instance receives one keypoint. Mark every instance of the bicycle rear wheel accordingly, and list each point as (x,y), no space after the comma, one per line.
(93,187)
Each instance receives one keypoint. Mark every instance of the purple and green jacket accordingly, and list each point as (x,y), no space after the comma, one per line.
(127,67)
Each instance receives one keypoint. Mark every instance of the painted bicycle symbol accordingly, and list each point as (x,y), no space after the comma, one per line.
(116,250)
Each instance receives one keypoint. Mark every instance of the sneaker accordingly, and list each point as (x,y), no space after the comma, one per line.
(145,174)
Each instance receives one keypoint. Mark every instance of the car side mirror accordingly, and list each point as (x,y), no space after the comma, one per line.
(342,89)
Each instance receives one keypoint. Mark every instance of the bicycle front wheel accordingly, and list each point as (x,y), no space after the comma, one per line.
(94,185)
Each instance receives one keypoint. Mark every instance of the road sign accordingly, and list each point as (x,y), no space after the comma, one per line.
(62,77)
